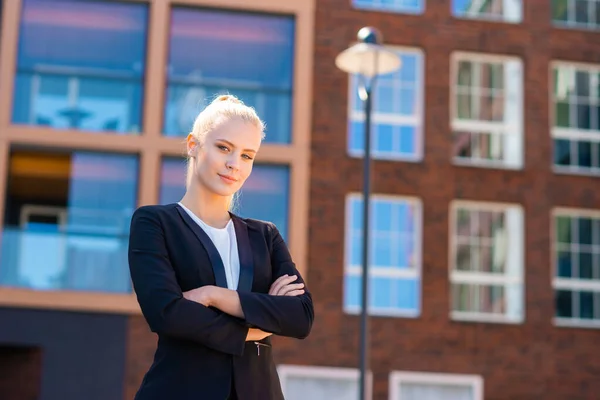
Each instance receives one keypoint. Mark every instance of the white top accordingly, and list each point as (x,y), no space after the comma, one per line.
(225,241)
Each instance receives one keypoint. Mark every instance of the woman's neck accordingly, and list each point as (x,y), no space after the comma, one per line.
(210,208)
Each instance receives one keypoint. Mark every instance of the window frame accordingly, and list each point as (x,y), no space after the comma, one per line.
(322,372)
(395,272)
(151,146)
(390,9)
(457,125)
(397,377)
(418,120)
(576,134)
(572,24)
(454,276)
(570,283)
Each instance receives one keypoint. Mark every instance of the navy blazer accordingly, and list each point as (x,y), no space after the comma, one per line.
(202,351)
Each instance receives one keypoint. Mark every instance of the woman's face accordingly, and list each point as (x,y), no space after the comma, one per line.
(224,161)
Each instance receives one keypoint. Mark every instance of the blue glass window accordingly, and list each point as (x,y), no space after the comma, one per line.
(264,196)
(395,281)
(81,65)
(399,6)
(214,52)
(397,118)
(67,221)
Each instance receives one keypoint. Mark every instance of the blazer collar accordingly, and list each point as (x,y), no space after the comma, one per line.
(244,250)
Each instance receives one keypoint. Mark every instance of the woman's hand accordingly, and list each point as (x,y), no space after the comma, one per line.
(204,295)
(256,335)
(284,286)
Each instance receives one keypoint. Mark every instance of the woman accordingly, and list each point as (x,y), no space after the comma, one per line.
(212,285)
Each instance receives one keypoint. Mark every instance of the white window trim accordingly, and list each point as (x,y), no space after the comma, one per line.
(456,276)
(398,377)
(571,133)
(381,272)
(567,283)
(321,372)
(498,127)
(491,17)
(389,9)
(417,121)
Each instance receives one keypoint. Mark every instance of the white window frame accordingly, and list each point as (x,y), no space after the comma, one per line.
(516,244)
(571,283)
(573,133)
(322,372)
(506,4)
(398,377)
(356,270)
(571,23)
(378,5)
(417,120)
(515,139)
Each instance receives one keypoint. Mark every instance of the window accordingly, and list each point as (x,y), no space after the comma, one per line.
(576,13)
(576,258)
(576,125)
(487,102)
(397,118)
(67,221)
(320,383)
(400,6)
(81,65)
(502,10)
(257,66)
(486,273)
(264,196)
(394,256)
(433,386)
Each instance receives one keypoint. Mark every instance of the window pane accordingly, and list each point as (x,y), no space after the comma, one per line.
(421,391)
(560,10)
(81,76)
(564,303)
(562,152)
(402,6)
(320,388)
(248,55)
(507,10)
(67,227)
(564,267)
(264,195)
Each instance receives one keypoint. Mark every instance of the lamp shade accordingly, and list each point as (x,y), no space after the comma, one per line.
(367,59)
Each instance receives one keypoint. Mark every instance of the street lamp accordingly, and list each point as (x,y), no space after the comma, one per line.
(367,59)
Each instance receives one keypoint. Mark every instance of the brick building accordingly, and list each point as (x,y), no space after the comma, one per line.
(486,222)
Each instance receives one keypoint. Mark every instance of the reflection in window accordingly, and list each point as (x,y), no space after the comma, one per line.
(576,126)
(576,13)
(487,267)
(397,112)
(394,256)
(577,267)
(264,196)
(215,52)
(67,221)
(487,111)
(503,10)
(81,65)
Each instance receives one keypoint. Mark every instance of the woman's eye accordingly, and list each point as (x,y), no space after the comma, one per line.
(247,157)
(222,147)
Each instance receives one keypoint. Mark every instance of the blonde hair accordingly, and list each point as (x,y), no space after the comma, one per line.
(222,108)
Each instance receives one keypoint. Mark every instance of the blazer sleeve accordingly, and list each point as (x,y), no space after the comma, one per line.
(290,316)
(161,300)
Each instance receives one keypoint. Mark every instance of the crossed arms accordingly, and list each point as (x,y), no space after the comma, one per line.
(215,317)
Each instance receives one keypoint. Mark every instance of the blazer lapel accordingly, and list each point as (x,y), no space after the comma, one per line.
(213,253)
(245,253)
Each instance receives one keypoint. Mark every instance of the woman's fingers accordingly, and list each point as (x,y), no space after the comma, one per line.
(295,292)
(281,283)
(289,288)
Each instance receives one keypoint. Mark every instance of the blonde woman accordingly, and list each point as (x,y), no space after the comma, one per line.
(212,285)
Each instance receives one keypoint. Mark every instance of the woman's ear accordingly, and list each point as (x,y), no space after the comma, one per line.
(191,145)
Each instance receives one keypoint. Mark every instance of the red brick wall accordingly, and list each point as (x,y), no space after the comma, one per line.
(528,361)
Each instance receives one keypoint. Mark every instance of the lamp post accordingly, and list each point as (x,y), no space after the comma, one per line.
(368,59)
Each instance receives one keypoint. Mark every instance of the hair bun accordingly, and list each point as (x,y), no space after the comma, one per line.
(228,97)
